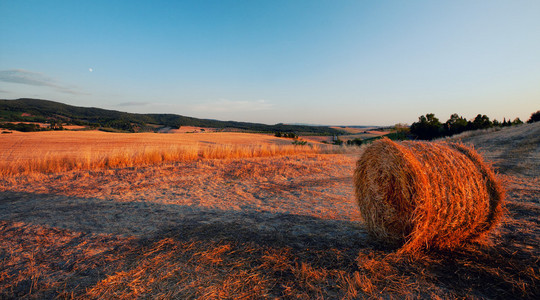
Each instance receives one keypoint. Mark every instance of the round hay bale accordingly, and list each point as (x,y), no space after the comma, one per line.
(421,195)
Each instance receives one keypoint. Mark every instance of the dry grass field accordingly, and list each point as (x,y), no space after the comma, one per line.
(280,225)
(54,151)
(17,144)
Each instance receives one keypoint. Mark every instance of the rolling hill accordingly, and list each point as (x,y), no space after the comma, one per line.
(37,110)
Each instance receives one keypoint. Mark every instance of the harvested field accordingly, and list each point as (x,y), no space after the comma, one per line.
(64,151)
(261,227)
(17,144)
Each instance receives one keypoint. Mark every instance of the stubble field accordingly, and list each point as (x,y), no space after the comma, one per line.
(281,225)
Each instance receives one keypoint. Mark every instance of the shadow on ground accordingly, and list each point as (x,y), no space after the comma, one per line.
(75,243)
(147,219)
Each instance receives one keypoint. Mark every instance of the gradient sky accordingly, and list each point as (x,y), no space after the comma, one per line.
(319,62)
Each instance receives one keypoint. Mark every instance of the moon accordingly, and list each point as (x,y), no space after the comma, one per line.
(90,69)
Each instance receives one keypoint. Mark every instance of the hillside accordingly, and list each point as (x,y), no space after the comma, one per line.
(36,110)
(513,150)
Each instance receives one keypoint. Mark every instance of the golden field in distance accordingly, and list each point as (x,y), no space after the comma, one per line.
(54,151)
(16,144)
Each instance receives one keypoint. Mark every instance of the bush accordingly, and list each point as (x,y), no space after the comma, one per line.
(517,121)
(355,142)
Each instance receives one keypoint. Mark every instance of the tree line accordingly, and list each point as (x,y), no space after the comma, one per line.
(429,127)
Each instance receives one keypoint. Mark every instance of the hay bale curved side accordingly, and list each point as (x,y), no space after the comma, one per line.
(426,195)
(493,185)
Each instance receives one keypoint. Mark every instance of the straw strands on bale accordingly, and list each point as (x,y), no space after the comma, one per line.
(421,195)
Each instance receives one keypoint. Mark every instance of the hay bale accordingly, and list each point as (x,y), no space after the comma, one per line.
(421,195)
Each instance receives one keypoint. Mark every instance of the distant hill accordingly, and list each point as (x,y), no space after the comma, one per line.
(45,111)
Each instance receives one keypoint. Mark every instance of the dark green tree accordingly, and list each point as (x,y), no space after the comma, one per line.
(535,117)
(480,122)
(428,127)
(517,121)
(456,124)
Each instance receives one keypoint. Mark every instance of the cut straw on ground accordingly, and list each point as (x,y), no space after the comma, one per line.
(50,162)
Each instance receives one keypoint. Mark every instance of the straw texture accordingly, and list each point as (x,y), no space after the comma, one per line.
(420,195)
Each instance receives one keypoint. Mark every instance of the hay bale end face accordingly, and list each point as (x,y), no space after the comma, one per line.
(420,195)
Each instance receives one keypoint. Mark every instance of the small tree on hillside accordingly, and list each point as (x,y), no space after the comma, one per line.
(456,124)
(517,121)
(535,117)
(480,122)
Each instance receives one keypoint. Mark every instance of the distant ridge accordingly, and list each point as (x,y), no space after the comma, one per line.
(342,126)
(38,110)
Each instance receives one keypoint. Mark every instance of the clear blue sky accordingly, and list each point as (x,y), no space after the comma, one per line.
(321,62)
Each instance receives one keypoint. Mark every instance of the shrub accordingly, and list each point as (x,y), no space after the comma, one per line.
(517,121)
(355,142)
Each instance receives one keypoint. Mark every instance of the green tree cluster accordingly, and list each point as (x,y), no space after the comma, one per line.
(429,127)
(290,135)
(23,127)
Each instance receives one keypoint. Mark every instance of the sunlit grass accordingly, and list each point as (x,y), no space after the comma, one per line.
(88,159)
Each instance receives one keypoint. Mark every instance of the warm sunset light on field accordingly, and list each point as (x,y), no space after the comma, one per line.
(283,149)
